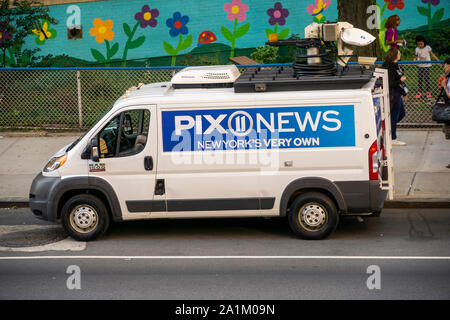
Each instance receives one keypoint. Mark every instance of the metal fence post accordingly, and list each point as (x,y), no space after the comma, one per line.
(80,106)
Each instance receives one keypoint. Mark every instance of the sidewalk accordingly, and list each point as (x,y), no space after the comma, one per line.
(421,178)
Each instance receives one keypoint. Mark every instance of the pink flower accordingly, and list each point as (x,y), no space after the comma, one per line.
(236,10)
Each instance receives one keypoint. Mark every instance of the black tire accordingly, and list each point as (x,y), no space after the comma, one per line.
(313,216)
(85,217)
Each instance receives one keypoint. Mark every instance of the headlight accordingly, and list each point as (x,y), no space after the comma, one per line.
(55,163)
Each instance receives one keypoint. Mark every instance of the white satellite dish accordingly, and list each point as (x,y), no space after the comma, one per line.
(357,37)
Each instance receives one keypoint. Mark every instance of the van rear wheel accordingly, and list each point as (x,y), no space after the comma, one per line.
(84,217)
(313,216)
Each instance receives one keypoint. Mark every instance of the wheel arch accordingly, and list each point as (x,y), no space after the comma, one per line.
(312,184)
(98,187)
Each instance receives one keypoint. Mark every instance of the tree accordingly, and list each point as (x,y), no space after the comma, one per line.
(18,19)
(356,13)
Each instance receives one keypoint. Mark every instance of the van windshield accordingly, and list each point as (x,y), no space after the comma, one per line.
(80,138)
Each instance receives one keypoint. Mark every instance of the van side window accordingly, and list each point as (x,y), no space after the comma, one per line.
(125,135)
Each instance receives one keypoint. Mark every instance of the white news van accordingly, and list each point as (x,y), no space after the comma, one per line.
(214,143)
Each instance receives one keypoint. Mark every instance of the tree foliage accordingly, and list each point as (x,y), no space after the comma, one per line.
(265,54)
(19,18)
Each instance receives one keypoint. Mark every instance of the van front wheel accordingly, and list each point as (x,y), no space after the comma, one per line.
(84,217)
(313,216)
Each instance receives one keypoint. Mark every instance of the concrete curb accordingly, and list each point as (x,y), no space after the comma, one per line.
(417,203)
(13,203)
(390,204)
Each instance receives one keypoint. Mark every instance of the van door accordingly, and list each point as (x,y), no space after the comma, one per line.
(380,96)
(128,158)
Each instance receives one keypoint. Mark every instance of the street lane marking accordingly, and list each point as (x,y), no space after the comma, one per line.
(231,257)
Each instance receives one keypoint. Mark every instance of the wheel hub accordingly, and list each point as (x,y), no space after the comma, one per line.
(313,215)
(85,218)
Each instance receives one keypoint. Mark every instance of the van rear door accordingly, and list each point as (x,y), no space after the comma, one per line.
(380,96)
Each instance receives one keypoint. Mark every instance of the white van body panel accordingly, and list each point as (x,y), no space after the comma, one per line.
(204,176)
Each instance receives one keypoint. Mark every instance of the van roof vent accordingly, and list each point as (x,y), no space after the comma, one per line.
(207,76)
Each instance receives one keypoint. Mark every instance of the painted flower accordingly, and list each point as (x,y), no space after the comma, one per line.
(147,17)
(433,2)
(44,32)
(177,24)
(277,14)
(102,30)
(317,8)
(236,10)
(395,4)
(5,35)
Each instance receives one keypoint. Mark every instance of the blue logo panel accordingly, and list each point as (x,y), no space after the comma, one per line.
(258,128)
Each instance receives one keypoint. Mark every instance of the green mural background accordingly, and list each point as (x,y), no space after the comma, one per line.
(164,33)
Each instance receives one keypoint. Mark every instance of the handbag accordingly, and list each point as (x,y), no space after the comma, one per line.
(441,110)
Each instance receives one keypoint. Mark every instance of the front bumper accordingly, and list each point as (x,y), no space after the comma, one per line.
(40,197)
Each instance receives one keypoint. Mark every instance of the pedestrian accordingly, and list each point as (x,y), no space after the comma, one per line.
(397,90)
(391,35)
(423,52)
(445,84)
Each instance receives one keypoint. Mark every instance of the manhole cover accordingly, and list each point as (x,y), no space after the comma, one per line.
(31,238)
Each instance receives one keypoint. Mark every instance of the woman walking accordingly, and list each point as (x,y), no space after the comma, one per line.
(397,90)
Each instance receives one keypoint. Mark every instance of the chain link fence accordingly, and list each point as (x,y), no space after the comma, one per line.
(423,90)
(75,98)
(65,98)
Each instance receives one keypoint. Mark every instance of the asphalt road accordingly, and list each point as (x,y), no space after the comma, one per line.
(404,254)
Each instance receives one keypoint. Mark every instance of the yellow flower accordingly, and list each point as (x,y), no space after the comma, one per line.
(102,30)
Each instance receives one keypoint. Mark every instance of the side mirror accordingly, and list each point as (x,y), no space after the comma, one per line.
(95,156)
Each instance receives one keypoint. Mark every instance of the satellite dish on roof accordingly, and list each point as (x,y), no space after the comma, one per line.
(357,37)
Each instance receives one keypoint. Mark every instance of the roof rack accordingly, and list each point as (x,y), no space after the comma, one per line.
(284,79)
(314,68)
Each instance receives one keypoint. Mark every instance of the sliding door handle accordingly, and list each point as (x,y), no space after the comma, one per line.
(148,163)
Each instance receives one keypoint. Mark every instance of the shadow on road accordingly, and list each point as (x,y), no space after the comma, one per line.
(224,228)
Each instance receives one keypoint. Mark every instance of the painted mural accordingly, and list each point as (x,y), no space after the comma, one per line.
(177,28)
(156,32)
(277,17)
(236,12)
(317,10)
(44,32)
